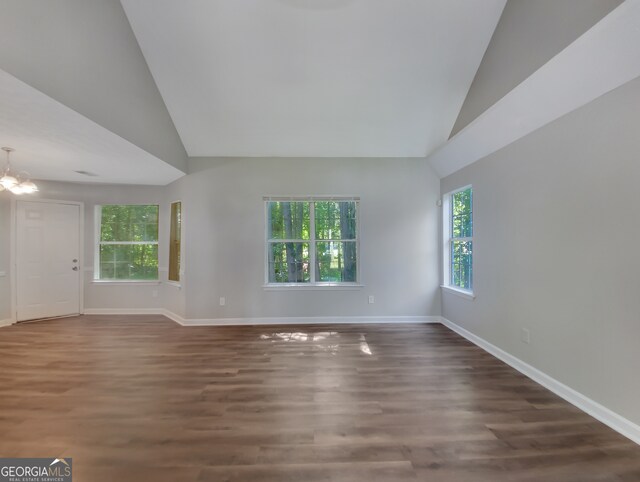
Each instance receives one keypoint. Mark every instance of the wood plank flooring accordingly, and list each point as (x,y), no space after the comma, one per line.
(144,399)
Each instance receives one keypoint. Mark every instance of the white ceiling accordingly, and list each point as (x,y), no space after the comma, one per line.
(325,78)
(53,141)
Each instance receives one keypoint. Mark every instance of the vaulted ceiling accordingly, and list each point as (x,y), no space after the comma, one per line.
(129,89)
(313,78)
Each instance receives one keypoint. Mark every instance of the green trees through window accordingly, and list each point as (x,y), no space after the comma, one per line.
(128,244)
(312,241)
(461,244)
(289,233)
(336,241)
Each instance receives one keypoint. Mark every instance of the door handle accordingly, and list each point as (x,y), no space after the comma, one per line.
(75,268)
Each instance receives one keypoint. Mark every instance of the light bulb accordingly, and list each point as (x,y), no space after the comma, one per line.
(8,181)
(28,187)
(17,189)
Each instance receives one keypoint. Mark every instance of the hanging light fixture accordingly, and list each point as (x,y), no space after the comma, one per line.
(17,184)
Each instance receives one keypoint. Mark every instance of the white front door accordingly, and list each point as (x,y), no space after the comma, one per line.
(47,259)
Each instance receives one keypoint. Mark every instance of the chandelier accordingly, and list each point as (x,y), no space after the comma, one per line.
(18,183)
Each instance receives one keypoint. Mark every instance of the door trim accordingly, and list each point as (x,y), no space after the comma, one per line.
(13,259)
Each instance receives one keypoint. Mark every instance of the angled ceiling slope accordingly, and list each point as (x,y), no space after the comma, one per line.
(528,35)
(53,142)
(602,59)
(309,78)
(83,56)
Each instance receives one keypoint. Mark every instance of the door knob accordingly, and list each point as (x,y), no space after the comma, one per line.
(75,268)
(75,260)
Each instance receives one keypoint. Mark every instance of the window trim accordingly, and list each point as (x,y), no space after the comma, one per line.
(466,294)
(97,228)
(327,285)
(447,239)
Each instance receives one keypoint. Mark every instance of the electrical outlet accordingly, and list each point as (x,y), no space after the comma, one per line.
(525,336)
(154,293)
(372,299)
(222,301)
(3,274)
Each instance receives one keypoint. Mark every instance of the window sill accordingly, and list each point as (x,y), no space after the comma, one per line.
(175,284)
(458,292)
(125,282)
(307,286)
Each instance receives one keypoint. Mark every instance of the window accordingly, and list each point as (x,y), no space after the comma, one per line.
(175,235)
(458,242)
(312,241)
(127,247)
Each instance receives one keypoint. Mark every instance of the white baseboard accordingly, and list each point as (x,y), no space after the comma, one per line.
(6,322)
(603,414)
(174,317)
(308,320)
(124,311)
(287,320)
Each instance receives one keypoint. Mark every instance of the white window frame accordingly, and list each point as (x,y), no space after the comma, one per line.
(312,284)
(98,243)
(447,239)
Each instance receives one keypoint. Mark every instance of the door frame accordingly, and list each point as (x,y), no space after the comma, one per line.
(13,258)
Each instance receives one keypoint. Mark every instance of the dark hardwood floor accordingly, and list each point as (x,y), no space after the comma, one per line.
(144,399)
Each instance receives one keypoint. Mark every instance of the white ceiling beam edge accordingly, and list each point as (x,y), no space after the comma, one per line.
(603,58)
(54,142)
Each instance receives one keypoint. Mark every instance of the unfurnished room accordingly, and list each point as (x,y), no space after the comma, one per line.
(319,240)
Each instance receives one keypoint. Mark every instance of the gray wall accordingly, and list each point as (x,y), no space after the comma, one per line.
(73,49)
(225,232)
(5,286)
(555,246)
(224,229)
(549,25)
(117,296)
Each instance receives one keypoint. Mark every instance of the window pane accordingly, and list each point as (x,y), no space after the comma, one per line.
(336,261)
(175,233)
(132,261)
(129,223)
(107,270)
(289,263)
(462,214)
(461,264)
(288,220)
(335,220)
(462,226)
(107,253)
